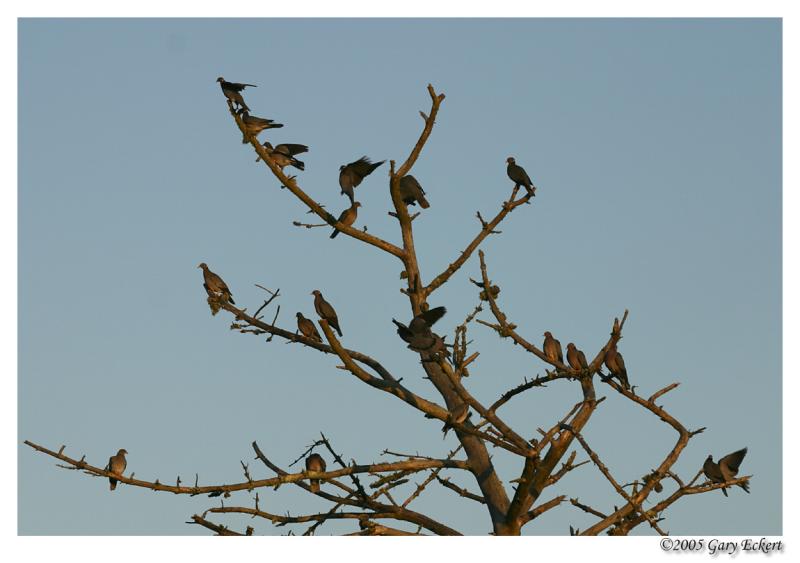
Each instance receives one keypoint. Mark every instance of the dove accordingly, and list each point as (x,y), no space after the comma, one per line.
(552,348)
(458,415)
(576,358)
(215,285)
(116,465)
(348,217)
(325,311)
(314,462)
(418,334)
(519,176)
(254,125)
(412,193)
(726,469)
(232,92)
(616,365)
(283,154)
(307,328)
(351,175)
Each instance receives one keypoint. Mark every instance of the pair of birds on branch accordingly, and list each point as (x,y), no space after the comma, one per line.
(325,311)
(577,359)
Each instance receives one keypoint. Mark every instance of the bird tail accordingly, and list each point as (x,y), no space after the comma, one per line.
(112,484)
(724,492)
(336,326)
(423,202)
(230,298)
(334,233)
(314,484)
(746,487)
(299,164)
(274,126)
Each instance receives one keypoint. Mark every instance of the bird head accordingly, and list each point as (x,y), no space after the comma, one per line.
(220,79)
(710,458)
(341,167)
(202,265)
(356,204)
(547,334)
(316,292)
(299,315)
(570,346)
(122,452)
(510,160)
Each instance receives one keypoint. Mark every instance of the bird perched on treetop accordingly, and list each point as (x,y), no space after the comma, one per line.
(307,328)
(254,125)
(232,92)
(352,174)
(616,365)
(283,154)
(315,462)
(552,348)
(348,217)
(726,469)
(411,192)
(116,464)
(326,311)
(576,358)
(519,176)
(214,284)
(418,334)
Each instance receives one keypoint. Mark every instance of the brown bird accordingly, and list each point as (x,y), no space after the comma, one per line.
(411,192)
(351,175)
(726,469)
(418,334)
(576,358)
(215,285)
(232,92)
(116,465)
(314,462)
(458,415)
(519,176)
(254,125)
(283,154)
(325,311)
(616,365)
(552,348)
(348,217)
(307,328)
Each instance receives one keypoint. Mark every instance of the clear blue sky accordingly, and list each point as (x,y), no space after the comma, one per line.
(656,146)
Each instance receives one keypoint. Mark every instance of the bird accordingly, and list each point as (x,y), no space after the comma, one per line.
(307,328)
(576,358)
(116,465)
(325,311)
(232,92)
(352,174)
(283,154)
(519,176)
(726,469)
(458,415)
(552,348)
(314,462)
(348,217)
(254,125)
(616,365)
(418,334)
(215,285)
(412,193)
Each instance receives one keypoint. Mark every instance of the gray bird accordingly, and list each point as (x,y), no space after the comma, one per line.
(314,462)
(552,348)
(254,125)
(283,154)
(616,365)
(325,311)
(232,92)
(116,465)
(215,285)
(576,358)
(352,174)
(458,415)
(726,469)
(307,328)
(412,193)
(418,334)
(519,176)
(348,217)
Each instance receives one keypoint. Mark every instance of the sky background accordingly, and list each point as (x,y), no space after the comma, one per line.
(656,149)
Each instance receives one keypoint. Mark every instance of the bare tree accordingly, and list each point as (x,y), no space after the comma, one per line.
(382,506)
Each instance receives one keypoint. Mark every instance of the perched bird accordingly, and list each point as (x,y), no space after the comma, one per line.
(348,217)
(412,193)
(232,92)
(307,328)
(616,365)
(726,469)
(254,125)
(314,462)
(458,415)
(658,487)
(519,176)
(283,154)
(116,465)
(215,285)
(352,174)
(552,348)
(418,334)
(576,358)
(325,311)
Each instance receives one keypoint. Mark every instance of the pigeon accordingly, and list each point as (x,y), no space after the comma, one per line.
(726,469)
(412,193)
(116,465)
(576,358)
(418,334)
(307,328)
(352,174)
(314,462)
(348,217)
(458,415)
(519,176)
(254,125)
(616,365)
(552,348)
(215,285)
(231,91)
(325,311)
(283,154)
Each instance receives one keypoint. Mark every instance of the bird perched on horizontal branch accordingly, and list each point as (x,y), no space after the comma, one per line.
(519,176)
(307,328)
(347,217)
(116,464)
(254,125)
(351,175)
(232,91)
(726,469)
(576,358)
(616,365)
(284,154)
(326,311)
(552,348)
(315,462)
(418,334)
(412,193)
(215,286)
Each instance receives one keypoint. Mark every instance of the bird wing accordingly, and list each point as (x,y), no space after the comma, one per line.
(731,462)
(432,315)
(290,149)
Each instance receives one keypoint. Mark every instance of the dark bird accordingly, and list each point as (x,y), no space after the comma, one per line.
(254,125)
(552,348)
(519,176)
(412,193)
(215,285)
(726,469)
(307,328)
(116,465)
(348,217)
(283,155)
(325,311)
(576,358)
(314,462)
(458,415)
(418,334)
(616,365)
(352,174)
(232,92)
(657,487)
